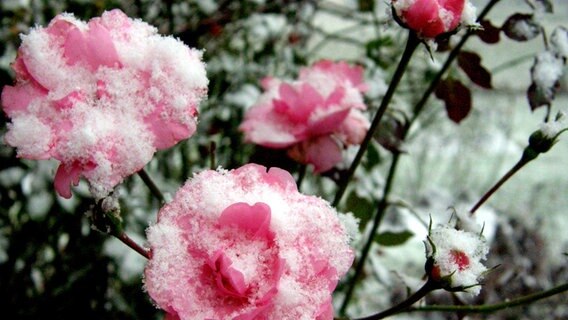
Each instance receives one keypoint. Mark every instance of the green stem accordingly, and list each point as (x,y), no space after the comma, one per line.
(498,306)
(381,209)
(132,244)
(152,186)
(411,45)
(521,163)
(428,287)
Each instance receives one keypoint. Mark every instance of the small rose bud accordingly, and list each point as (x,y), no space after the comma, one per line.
(431,18)
(545,137)
(454,259)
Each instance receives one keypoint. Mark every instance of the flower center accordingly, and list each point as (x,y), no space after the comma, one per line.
(460,258)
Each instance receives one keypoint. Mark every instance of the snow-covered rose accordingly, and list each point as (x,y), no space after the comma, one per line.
(314,117)
(101,97)
(454,258)
(245,244)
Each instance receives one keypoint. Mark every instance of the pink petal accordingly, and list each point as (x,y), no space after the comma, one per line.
(283,178)
(59,27)
(75,46)
(19,67)
(69,174)
(325,311)
(99,46)
(329,123)
(229,280)
(300,104)
(323,153)
(66,176)
(69,100)
(336,96)
(18,98)
(254,219)
(354,128)
(166,133)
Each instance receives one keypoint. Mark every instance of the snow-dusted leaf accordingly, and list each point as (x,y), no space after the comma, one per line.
(470,63)
(457,98)
(546,73)
(521,27)
(538,97)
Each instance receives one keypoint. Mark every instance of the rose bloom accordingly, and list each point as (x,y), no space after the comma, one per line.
(457,256)
(101,97)
(245,244)
(314,117)
(430,18)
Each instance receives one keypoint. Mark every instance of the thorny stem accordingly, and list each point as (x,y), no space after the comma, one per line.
(521,163)
(428,287)
(411,44)
(132,244)
(498,306)
(417,110)
(152,186)
(381,209)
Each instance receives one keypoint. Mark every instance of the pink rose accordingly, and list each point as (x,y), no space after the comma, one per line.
(314,117)
(101,97)
(430,18)
(245,244)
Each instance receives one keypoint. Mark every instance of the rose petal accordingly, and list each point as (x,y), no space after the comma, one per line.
(18,98)
(66,176)
(99,46)
(329,123)
(323,153)
(254,219)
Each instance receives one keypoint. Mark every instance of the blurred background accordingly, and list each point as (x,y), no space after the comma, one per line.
(53,264)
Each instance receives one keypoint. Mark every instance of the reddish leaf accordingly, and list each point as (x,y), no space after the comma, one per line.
(488,32)
(470,63)
(456,97)
(521,27)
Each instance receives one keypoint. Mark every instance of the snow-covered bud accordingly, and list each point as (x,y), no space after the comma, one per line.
(454,259)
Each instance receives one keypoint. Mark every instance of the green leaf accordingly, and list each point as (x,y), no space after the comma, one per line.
(390,238)
(362,209)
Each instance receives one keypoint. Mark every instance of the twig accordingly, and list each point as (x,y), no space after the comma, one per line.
(411,44)
(152,186)
(132,244)
(381,209)
(498,306)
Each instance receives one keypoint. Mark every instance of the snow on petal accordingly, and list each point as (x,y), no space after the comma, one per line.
(237,245)
(107,93)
